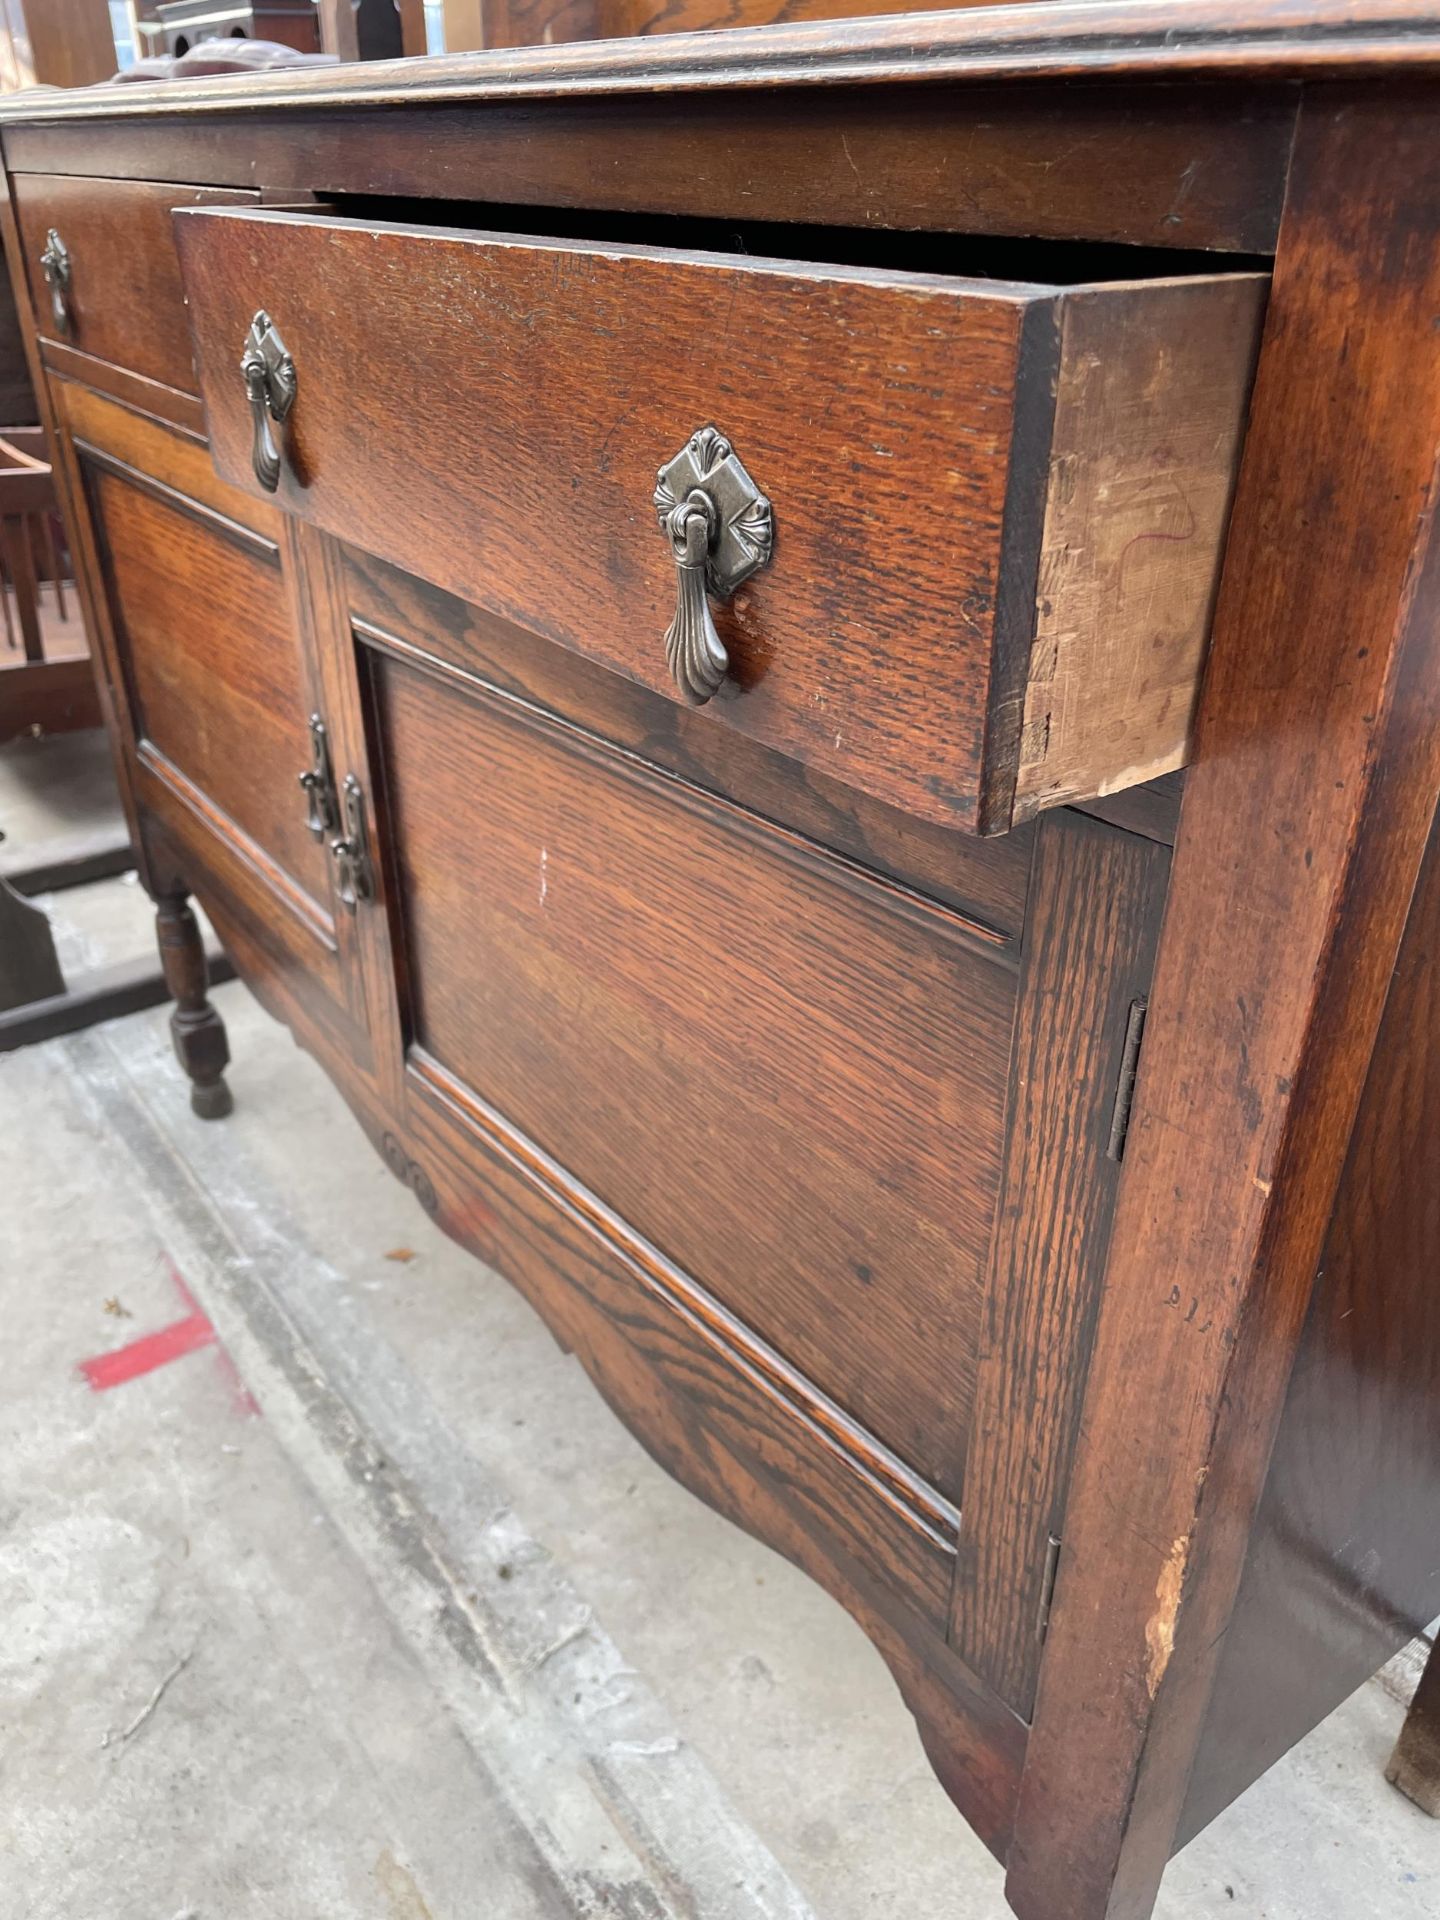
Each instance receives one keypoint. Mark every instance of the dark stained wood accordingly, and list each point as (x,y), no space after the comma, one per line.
(104,993)
(780,1075)
(17,392)
(724,1436)
(57,696)
(719,1056)
(1152,167)
(125,299)
(216,682)
(1152,809)
(1320,729)
(733,1442)
(1094,919)
(174,459)
(29,966)
(987,880)
(195,1027)
(1342,1568)
(180,410)
(1279,39)
(1414,1766)
(541,507)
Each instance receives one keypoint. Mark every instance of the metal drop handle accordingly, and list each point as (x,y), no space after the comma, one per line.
(720,530)
(270,386)
(55,265)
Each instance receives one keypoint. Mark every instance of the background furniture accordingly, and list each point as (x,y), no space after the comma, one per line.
(55,43)
(661,611)
(178,25)
(46,679)
(372,29)
(474,24)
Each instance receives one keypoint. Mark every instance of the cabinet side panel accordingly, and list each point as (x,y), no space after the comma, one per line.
(1343,1568)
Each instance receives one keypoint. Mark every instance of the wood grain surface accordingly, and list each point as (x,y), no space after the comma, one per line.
(505,447)
(231,714)
(794,1091)
(1152,392)
(1095,904)
(1279,39)
(125,298)
(1342,1569)
(986,880)
(1152,166)
(1320,730)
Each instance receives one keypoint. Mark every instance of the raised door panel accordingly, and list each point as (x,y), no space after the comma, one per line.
(216,682)
(812,1168)
(784,1074)
(204,640)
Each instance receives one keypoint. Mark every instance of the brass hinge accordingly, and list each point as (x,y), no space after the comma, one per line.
(1125,1086)
(1047,1585)
(354,876)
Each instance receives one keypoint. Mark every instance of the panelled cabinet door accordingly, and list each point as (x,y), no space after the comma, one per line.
(796,1155)
(206,637)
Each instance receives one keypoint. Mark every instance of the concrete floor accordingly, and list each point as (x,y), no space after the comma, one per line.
(362,1606)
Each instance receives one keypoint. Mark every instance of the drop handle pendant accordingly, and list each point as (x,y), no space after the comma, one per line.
(270,386)
(55,265)
(354,873)
(720,530)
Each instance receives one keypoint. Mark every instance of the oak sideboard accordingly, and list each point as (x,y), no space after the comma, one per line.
(807,659)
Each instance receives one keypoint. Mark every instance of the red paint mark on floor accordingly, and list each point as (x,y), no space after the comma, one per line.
(153,1350)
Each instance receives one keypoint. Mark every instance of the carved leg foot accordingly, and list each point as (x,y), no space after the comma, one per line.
(195,1026)
(1415,1764)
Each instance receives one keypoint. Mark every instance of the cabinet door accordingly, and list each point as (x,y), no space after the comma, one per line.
(812,1165)
(207,643)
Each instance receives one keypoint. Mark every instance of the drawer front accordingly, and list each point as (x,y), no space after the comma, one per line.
(490,413)
(122,301)
(786,1076)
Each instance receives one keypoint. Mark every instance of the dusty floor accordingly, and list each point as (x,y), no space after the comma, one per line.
(346,1598)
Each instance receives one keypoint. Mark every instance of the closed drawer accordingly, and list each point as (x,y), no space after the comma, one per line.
(997,508)
(120,299)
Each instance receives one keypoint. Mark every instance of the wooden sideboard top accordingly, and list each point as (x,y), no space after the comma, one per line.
(1123,39)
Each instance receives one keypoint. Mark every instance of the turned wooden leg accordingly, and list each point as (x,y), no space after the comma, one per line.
(195,1026)
(1415,1764)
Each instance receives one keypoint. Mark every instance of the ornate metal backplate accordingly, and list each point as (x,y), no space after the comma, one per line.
(271,384)
(721,530)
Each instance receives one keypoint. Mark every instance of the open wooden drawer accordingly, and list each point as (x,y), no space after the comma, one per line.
(976,581)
